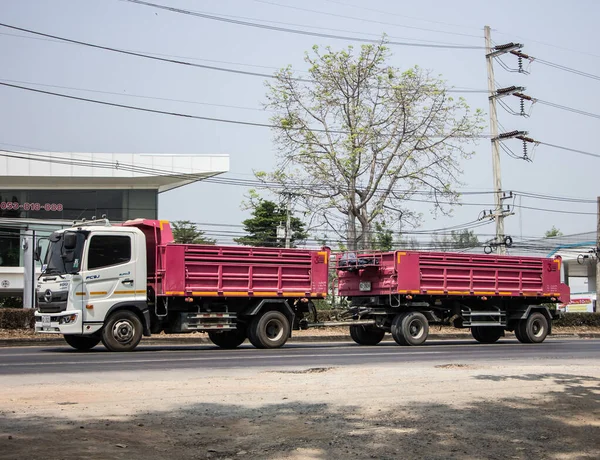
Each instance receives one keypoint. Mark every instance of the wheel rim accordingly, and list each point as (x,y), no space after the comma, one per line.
(537,328)
(416,329)
(123,331)
(274,330)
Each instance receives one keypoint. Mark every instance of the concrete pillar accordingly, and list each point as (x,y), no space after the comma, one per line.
(29,282)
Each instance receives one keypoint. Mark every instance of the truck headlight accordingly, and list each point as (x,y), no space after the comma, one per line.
(67,319)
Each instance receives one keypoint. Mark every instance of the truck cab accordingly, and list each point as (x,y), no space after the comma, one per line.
(90,271)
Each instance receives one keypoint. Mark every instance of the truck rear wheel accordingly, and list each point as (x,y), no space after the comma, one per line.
(487,334)
(122,331)
(366,335)
(227,339)
(82,342)
(269,330)
(410,328)
(534,329)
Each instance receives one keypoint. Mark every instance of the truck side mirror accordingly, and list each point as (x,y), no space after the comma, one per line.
(37,254)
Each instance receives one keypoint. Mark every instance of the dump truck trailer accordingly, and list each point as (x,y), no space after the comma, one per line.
(403,292)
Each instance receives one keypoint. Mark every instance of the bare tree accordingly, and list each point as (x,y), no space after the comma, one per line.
(360,138)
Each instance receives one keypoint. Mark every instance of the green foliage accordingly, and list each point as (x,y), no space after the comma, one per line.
(384,238)
(363,137)
(553,232)
(186,232)
(578,320)
(262,226)
(463,239)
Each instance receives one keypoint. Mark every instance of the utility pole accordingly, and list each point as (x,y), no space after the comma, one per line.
(490,53)
(495,142)
(598,258)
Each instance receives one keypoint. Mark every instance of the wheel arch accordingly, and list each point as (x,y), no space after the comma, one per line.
(139,308)
(264,305)
(523,313)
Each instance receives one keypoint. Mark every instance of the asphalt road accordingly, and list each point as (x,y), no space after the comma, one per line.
(63,359)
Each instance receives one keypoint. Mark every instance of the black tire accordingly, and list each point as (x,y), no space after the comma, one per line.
(269,330)
(122,331)
(227,339)
(534,329)
(487,334)
(410,328)
(366,335)
(82,342)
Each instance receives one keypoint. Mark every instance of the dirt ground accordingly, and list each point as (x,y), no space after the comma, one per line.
(442,410)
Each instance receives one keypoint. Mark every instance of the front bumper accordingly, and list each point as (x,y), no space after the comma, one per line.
(64,322)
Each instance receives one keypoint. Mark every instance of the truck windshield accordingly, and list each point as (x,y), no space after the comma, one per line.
(59,260)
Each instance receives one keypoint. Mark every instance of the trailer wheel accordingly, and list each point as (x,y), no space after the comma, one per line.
(122,331)
(228,339)
(487,334)
(269,330)
(410,328)
(366,335)
(534,329)
(82,342)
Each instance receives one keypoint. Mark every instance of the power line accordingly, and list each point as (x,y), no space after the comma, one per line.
(294,31)
(146,56)
(567,69)
(568,109)
(389,13)
(582,152)
(196,117)
(156,57)
(326,13)
(161,112)
(136,95)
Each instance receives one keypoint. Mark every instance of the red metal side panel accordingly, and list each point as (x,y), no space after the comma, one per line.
(202,270)
(174,269)
(443,273)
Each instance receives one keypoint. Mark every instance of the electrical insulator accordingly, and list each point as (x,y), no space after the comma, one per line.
(520,64)
(525,157)
(522,107)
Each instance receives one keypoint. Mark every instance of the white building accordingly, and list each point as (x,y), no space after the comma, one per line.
(42,192)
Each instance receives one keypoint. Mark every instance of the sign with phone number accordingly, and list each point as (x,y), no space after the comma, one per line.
(14,206)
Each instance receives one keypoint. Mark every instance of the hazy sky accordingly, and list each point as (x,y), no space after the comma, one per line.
(564,33)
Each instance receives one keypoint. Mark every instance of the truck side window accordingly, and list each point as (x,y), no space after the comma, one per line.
(107,250)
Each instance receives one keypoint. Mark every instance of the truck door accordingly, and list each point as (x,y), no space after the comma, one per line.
(110,274)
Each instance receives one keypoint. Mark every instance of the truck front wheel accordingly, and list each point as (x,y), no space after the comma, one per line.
(269,330)
(82,342)
(410,328)
(122,331)
(487,334)
(227,339)
(366,335)
(534,329)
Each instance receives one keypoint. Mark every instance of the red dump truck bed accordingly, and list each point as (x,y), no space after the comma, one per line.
(202,270)
(229,271)
(452,274)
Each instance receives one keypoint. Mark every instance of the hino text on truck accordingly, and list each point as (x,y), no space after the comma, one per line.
(116,283)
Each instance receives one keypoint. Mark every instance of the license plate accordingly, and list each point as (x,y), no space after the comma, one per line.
(45,320)
(364,286)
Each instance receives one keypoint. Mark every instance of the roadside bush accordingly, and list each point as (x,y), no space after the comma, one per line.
(578,319)
(16,318)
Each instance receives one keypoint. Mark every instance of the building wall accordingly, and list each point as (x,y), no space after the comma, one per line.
(116,204)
